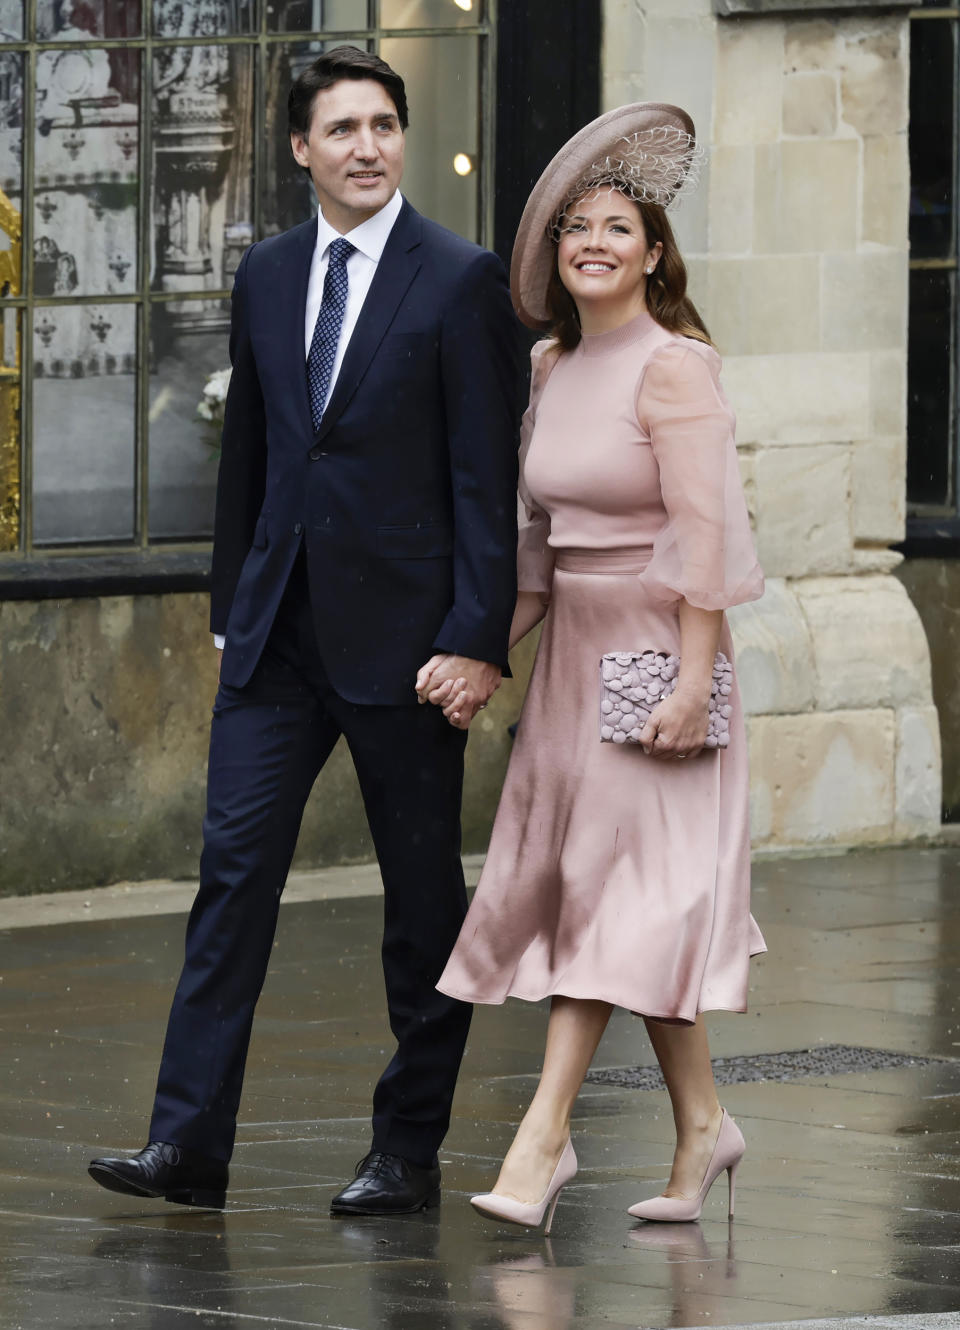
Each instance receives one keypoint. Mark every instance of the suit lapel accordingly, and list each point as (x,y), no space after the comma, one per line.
(290,295)
(399,264)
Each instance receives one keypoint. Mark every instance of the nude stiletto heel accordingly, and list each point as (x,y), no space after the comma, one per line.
(732,1178)
(727,1153)
(530,1214)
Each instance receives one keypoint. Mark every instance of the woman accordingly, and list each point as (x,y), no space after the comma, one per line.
(617,874)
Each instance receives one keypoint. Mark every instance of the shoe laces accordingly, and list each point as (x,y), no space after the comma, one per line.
(374,1163)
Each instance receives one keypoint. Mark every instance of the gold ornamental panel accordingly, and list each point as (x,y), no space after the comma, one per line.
(10,347)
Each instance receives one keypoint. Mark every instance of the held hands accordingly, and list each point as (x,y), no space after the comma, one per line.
(677,726)
(459,685)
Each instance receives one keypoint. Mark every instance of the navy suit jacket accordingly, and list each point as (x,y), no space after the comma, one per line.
(405,497)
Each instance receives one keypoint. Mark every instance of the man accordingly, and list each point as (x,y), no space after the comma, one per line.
(364,530)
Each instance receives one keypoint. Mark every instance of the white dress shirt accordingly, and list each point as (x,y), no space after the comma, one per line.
(369,240)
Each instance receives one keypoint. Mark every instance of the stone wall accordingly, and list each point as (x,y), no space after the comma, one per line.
(104,713)
(798,258)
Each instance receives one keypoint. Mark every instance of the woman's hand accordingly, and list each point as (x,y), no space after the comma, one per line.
(677,726)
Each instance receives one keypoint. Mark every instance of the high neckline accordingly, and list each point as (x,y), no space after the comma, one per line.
(603,344)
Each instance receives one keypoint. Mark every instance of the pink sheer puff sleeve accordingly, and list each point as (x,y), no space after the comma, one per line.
(535,558)
(704,553)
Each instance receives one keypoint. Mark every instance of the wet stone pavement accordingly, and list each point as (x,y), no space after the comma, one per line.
(848,1200)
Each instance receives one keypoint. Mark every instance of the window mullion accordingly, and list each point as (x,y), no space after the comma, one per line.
(144,312)
(953,453)
(26,326)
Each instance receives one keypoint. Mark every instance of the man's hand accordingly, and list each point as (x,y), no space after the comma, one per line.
(219,662)
(459,685)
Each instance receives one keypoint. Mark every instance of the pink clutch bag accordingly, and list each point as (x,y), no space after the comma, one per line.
(633,682)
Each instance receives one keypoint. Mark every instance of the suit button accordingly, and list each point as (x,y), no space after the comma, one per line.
(314,454)
(297,528)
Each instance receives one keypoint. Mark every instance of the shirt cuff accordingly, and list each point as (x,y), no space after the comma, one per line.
(219,641)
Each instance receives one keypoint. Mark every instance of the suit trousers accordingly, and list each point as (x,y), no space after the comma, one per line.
(268,742)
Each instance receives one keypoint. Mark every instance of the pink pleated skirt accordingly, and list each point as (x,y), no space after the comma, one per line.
(610,875)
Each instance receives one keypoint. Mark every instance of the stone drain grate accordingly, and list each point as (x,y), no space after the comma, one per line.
(826,1060)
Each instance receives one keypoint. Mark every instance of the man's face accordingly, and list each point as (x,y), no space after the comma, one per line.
(354,150)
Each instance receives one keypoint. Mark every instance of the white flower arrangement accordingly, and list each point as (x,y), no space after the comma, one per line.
(210,406)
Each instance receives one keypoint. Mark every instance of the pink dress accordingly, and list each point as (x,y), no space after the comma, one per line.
(610,874)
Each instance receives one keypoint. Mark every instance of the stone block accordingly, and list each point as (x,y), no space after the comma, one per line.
(822,778)
(774,653)
(806,196)
(749,95)
(875,559)
(699,9)
(623,53)
(888,392)
(800,398)
(864,301)
(874,76)
(810,44)
(765,304)
(886,191)
(878,490)
(680,52)
(918,781)
(731,200)
(869,646)
(803,515)
(810,105)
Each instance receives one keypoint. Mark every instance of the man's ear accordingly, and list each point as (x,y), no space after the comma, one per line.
(298,146)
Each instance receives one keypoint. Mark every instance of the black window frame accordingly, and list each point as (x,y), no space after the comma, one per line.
(932,530)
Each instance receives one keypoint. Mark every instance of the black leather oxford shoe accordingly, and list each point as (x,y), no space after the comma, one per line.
(170,1171)
(388,1185)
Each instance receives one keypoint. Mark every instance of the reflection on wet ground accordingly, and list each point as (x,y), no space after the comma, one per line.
(848,1200)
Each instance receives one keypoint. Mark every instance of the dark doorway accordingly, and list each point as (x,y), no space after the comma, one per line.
(548,86)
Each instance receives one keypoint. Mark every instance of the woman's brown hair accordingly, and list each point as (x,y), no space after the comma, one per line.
(667,299)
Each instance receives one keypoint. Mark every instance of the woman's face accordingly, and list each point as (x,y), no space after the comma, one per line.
(602,253)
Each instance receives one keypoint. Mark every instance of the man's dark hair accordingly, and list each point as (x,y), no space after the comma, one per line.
(343,62)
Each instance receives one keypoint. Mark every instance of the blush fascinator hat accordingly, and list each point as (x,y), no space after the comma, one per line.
(648,150)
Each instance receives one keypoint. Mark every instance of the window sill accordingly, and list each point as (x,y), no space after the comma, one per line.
(127,573)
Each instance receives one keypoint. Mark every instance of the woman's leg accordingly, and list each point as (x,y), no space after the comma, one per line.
(575,1029)
(684,1057)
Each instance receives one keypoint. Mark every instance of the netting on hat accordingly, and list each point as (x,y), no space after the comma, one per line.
(658,165)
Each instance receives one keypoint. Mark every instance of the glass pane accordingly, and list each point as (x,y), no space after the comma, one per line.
(84,423)
(10,332)
(316,15)
(11,158)
(87,153)
(932,137)
(11,20)
(430,14)
(203,18)
(929,407)
(184,446)
(442,75)
(79,20)
(202,163)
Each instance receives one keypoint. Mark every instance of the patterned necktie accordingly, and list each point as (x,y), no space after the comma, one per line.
(326,332)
